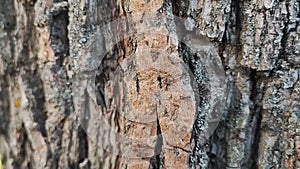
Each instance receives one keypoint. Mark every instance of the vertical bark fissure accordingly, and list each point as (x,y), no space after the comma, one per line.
(83,147)
(159,81)
(59,43)
(256,118)
(32,77)
(59,35)
(21,157)
(5,117)
(7,12)
(137,83)
(156,160)
(82,135)
(198,155)
(55,155)
(222,47)
(238,22)
(38,107)
(282,55)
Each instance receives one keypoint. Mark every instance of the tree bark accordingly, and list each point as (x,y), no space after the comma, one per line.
(150,84)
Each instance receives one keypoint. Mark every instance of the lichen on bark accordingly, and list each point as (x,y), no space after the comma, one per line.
(61,73)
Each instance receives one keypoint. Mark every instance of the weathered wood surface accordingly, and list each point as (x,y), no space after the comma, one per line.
(62,73)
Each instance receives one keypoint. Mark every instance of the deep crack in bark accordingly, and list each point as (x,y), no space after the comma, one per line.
(156,160)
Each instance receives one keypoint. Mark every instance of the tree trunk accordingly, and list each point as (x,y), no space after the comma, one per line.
(150,84)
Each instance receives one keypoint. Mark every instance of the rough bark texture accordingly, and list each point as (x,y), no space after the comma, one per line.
(61,74)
